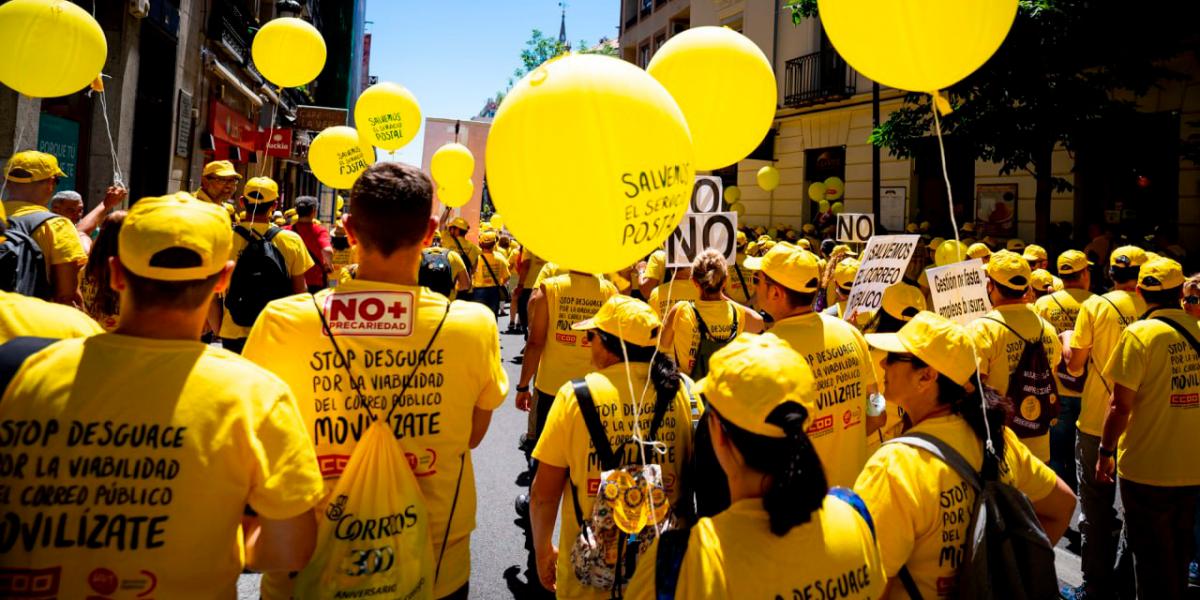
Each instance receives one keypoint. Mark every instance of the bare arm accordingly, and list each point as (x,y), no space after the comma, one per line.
(1116,420)
(66,284)
(480,420)
(298,284)
(667,337)
(647,286)
(754,321)
(1079,358)
(280,545)
(1054,511)
(539,328)
(113,197)
(543,512)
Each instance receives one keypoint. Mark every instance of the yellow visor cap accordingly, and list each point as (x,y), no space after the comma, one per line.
(751,376)
(844,273)
(1072,261)
(1015,245)
(936,340)
(903,301)
(30,166)
(1034,252)
(221,168)
(155,225)
(487,237)
(627,318)
(1160,274)
(978,250)
(261,190)
(1041,280)
(1010,270)
(460,223)
(1127,256)
(792,267)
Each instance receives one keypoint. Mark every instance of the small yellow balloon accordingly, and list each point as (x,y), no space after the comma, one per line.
(835,188)
(949,252)
(451,163)
(497,221)
(337,157)
(823,206)
(725,87)
(387,116)
(625,182)
(340,203)
(733,194)
(738,208)
(289,52)
(51,48)
(456,193)
(768,178)
(836,208)
(816,191)
(931,44)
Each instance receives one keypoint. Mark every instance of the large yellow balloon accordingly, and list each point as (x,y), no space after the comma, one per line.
(738,208)
(732,194)
(50,48)
(928,45)
(452,162)
(288,51)
(456,193)
(591,162)
(816,191)
(337,157)
(725,87)
(834,188)
(768,178)
(387,116)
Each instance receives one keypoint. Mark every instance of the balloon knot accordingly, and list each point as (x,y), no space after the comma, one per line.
(942,104)
(97,85)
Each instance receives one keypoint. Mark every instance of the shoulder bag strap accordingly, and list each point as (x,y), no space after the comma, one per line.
(246,234)
(1009,327)
(1181,330)
(668,561)
(701,326)
(463,253)
(910,586)
(13,354)
(733,330)
(1112,304)
(856,502)
(595,428)
(273,231)
(944,453)
(30,222)
(742,278)
(503,290)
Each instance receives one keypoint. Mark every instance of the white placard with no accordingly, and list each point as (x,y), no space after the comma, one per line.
(704,225)
(883,264)
(855,227)
(959,291)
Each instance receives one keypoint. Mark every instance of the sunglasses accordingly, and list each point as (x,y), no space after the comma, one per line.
(893,358)
(1191,299)
(591,335)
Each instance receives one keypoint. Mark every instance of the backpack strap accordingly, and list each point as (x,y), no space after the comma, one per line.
(28,223)
(703,327)
(856,502)
(272,231)
(463,254)
(668,561)
(742,278)
(13,354)
(1112,304)
(1181,330)
(944,453)
(597,433)
(1009,327)
(910,586)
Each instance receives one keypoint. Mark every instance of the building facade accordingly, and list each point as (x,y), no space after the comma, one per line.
(1132,178)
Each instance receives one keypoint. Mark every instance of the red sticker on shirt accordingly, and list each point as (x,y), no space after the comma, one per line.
(370,313)
(1185,400)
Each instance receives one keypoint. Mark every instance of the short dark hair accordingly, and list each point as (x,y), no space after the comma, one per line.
(155,293)
(1008,292)
(306,206)
(794,298)
(1163,297)
(1124,274)
(1071,276)
(392,204)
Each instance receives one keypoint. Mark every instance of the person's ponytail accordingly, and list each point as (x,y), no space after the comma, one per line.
(664,376)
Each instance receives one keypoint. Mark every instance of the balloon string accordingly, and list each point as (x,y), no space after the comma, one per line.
(937,126)
(270,133)
(637,410)
(118,179)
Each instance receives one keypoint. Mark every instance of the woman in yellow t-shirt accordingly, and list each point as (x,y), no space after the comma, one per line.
(621,337)
(924,505)
(786,534)
(696,329)
(100,302)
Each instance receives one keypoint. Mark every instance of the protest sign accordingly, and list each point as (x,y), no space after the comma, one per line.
(883,264)
(853,227)
(959,291)
(704,226)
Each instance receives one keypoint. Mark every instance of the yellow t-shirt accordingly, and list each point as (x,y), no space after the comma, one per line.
(462,246)
(1161,443)
(734,555)
(88,289)
(157,481)
(570,298)
(922,507)
(295,256)
(535,268)
(999,352)
(718,315)
(375,324)
(25,316)
(484,278)
(656,266)
(57,237)
(666,295)
(1062,307)
(547,271)
(456,266)
(1098,327)
(840,361)
(739,284)
(565,443)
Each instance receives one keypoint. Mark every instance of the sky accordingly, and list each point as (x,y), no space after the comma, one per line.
(454,56)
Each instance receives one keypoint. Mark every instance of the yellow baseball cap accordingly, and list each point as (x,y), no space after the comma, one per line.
(804,243)
(627,318)
(760,230)
(1010,270)
(175,221)
(949,252)
(1034,252)
(741,239)
(1127,256)
(936,340)
(903,301)
(968,227)
(1160,274)
(261,190)
(792,267)
(1152,255)
(935,242)
(844,273)
(911,228)
(1072,261)
(221,168)
(460,223)
(752,248)
(844,249)
(487,237)
(808,228)
(978,250)
(1041,280)
(30,166)
(745,382)
(1015,245)
(925,226)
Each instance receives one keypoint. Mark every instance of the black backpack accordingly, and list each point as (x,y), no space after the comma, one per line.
(709,344)
(436,273)
(1032,391)
(1006,553)
(260,276)
(22,262)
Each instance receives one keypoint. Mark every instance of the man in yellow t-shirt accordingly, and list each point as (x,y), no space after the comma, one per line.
(458,269)
(1151,428)
(1000,338)
(148,454)
(652,276)
(491,274)
(440,386)
(31,178)
(259,200)
(218,183)
(843,279)
(786,284)
(466,249)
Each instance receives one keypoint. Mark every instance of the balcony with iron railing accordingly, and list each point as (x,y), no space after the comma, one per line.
(817,78)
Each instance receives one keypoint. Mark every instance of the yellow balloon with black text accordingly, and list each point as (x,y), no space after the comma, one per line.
(725,87)
(732,194)
(451,163)
(51,47)
(497,221)
(337,157)
(816,191)
(456,193)
(836,208)
(591,163)
(834,188)
(768,178)
(289,52)
(931,45)
(387,116)
(738,208)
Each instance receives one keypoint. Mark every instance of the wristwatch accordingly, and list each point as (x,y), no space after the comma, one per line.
(521,389)
(1106,453)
